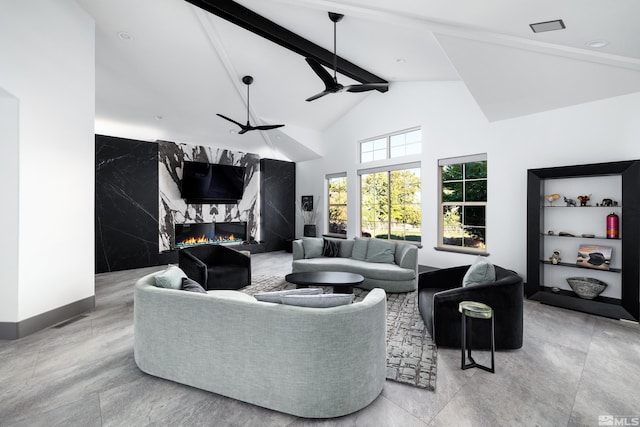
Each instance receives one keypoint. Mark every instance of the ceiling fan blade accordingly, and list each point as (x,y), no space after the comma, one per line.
(245,129)
(366,87)
(267,127)
(317,95)
(231,120)
(324,75)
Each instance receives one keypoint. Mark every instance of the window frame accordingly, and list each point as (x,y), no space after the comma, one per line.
(328,178)
(462,160)
(388,170)
(387,137)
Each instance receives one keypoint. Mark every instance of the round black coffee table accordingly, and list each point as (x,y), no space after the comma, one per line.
(342,283)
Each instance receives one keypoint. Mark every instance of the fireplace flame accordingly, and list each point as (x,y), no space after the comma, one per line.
(196,240)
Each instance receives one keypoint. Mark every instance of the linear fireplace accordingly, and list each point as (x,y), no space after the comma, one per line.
(187,235)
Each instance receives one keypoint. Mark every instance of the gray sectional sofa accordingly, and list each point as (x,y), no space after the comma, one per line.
(392,266)
(308,362)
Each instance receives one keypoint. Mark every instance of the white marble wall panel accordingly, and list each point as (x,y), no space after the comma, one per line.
(174,209)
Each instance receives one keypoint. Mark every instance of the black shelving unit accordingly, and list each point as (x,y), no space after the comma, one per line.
(628,306)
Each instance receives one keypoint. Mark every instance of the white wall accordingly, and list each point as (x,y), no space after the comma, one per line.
(9,213)
(453,125)
(48,63)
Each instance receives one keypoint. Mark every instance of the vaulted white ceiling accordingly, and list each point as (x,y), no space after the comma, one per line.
(182,65)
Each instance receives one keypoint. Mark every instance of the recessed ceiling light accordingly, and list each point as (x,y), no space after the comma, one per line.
(596,44)
(158,118)
(233,131)
(401,60)
(125,36)
(541,27)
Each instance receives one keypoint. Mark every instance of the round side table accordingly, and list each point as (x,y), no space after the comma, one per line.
(475,310)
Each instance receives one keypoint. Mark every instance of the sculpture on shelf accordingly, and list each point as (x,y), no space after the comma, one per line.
(552,198)
(586,287)
(584,199)
(555,257)
(608,202)
(570,202)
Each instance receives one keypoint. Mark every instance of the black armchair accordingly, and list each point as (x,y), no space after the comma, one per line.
(440,292)
(216,266)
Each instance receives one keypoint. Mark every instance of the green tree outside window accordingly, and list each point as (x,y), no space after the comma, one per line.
(338,205)
(391,205)
(463,205)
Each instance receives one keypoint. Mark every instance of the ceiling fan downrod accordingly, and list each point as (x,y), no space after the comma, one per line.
(247,80)
(335,18)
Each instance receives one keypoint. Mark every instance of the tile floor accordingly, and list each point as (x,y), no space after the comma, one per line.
(572,368)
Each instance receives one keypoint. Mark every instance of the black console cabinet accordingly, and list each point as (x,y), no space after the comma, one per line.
(627,306)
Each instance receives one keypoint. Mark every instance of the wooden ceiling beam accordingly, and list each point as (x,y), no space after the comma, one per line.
(258,24)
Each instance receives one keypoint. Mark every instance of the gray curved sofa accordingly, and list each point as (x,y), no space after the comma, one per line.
(392,266)
(308,362)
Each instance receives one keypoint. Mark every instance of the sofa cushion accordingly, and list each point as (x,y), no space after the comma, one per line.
(191,285)
(276,296)
(380,250)
(312,247)
(346,248)
(481,271)
(330,248)
(171,278)
(360,248)
(318,301)
(229,294)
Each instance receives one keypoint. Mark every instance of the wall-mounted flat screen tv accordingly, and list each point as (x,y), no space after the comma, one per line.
(211,183)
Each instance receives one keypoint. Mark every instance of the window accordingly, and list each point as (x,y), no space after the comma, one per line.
(397,144)
(337,197)
(463,203)
(390,203)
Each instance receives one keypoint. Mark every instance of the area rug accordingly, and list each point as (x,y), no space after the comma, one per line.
(411,354)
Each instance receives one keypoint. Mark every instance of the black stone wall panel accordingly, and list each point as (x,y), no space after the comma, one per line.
(126,204)
(277,200)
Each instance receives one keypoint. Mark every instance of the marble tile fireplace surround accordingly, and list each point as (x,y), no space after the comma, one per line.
(187,235)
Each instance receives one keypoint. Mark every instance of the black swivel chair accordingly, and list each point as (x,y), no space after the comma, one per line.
(216,266)
(440,292)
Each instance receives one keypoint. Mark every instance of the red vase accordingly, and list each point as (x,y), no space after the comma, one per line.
(613,226)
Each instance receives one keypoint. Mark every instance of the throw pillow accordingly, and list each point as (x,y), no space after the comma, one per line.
(330,248)
(360,248)
(190,285)
(346,248)
(312,247)
(277,295)
(318,301)
(171,278)
(481,271)
(381,251)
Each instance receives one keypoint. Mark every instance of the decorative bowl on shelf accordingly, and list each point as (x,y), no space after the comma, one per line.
(586,287)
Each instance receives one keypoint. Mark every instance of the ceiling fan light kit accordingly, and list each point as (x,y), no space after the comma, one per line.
(247,80)
(331,82)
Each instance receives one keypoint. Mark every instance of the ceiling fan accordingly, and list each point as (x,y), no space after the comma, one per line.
(331,83)
(246,128)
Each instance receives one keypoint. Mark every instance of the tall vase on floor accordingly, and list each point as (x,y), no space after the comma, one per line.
(309,215)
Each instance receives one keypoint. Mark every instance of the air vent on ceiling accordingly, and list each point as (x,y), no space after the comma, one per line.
(541,27)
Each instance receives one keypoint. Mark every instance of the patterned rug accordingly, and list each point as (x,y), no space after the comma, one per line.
(411,354)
